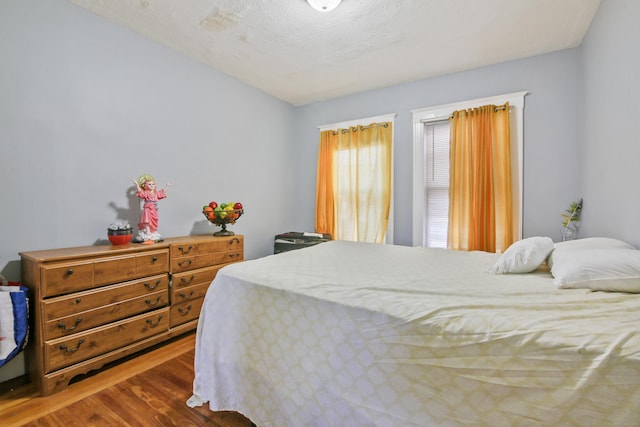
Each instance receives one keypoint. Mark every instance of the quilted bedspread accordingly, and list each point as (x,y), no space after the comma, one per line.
(354,334)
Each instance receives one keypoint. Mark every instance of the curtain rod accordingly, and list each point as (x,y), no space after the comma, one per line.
(355,122)
(356,128)
(443,118)
(498,107)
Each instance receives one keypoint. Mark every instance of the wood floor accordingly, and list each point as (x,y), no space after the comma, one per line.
(148,390)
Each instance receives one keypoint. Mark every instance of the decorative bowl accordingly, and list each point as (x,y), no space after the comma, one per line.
(222,218)
(119,237)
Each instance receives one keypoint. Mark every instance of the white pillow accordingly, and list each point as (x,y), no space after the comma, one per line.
(589,243)
(523,256)
(614,269)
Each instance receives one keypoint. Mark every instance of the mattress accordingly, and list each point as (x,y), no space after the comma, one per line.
(357,334)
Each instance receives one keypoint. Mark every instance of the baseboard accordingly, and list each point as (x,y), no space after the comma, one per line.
(13,383)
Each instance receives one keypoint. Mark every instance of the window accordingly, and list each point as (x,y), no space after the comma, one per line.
(368,187)
(358,205)
(429,228)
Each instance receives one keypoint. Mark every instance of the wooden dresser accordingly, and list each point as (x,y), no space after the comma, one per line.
(92,305)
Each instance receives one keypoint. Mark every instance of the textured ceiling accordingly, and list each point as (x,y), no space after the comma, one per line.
(300,55)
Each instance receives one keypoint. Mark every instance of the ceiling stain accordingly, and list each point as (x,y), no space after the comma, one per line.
(222,19)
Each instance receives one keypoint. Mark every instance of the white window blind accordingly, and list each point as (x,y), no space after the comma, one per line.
(436,183)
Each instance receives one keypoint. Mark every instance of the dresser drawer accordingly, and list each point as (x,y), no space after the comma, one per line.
(192,248)
(188,293)
(199,261)
(186,311)
(114,269)
(54,308)
(64,278)
(84,345)
(150,263)
(195,277)
(102,315)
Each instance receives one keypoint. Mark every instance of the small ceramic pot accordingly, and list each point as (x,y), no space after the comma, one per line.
(119,237)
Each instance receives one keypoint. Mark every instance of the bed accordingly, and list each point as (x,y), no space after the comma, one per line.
(357,334)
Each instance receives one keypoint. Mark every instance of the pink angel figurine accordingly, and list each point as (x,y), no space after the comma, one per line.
(148,225)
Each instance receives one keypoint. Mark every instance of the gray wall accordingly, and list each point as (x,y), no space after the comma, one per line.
(551,167)
(610,141)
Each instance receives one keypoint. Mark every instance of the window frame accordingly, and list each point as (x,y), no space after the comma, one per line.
(442,112)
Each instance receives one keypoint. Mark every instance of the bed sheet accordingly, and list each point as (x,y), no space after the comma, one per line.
(375,335)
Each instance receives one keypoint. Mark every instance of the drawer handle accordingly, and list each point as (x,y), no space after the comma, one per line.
(71,350)
(234,255)
(69,272)
(184,281)
(78,300)
(188,261)
(154,259)
(184,251)
(186,311)
(153,325)
(150,286)
(234,240)
(70,328)
(183,295)
(152,303)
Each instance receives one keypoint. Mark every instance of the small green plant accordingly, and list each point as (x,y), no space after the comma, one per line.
(570,219)
(572,214)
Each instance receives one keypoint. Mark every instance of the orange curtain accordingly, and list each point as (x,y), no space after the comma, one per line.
(480,188)
(325,200)
(353,188)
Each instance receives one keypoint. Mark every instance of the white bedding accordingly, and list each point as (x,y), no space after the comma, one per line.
(353,334)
